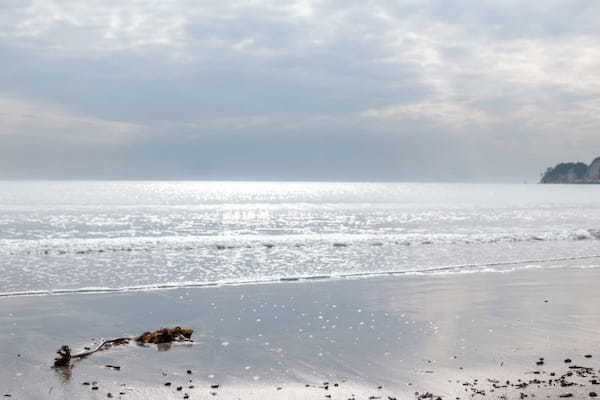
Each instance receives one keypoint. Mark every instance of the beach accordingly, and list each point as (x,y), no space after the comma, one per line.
(382,337)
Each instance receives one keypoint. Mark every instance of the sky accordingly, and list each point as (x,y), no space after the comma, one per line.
(431,90)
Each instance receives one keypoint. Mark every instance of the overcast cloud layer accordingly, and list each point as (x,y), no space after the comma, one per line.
(340,89)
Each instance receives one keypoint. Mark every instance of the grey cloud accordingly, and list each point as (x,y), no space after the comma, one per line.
(301,90)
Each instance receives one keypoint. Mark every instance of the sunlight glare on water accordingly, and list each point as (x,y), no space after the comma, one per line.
(93,234)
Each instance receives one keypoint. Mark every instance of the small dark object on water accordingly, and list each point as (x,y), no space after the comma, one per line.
(593,394)
(189,371)
(588,356)
(179,388)
(167,383)
(216,386)
(567,360)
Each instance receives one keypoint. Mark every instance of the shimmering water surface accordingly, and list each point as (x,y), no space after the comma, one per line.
(131,235)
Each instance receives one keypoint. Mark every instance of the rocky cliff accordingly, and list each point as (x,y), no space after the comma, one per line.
(573,173)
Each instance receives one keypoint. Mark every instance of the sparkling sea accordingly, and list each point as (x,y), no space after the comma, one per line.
(78,236)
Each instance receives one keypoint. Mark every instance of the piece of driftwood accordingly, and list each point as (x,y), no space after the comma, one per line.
(162,335)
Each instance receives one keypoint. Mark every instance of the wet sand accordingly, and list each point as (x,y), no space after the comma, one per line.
(461,335)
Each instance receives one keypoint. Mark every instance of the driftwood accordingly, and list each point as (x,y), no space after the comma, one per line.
(163,335)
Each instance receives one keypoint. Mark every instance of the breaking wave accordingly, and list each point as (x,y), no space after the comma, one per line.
(448,269)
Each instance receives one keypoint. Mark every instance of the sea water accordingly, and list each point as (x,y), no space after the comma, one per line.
(69,236)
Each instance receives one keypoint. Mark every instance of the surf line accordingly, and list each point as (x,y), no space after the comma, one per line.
(288,279)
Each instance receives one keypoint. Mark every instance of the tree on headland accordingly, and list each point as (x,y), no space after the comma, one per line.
(566,173)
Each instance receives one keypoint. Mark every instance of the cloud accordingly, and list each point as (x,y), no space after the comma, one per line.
(452,115)
(23,118)
(273,86)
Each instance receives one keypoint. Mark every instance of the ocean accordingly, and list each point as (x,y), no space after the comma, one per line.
(103,236)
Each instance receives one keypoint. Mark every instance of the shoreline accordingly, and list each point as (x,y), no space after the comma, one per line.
(406,334)
(458,269)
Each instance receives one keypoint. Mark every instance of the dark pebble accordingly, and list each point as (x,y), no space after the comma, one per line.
(179,388)
(189,371)
(214,386)
(593,394)
(94,387)
(567,360)
(588,356)
(167,383)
